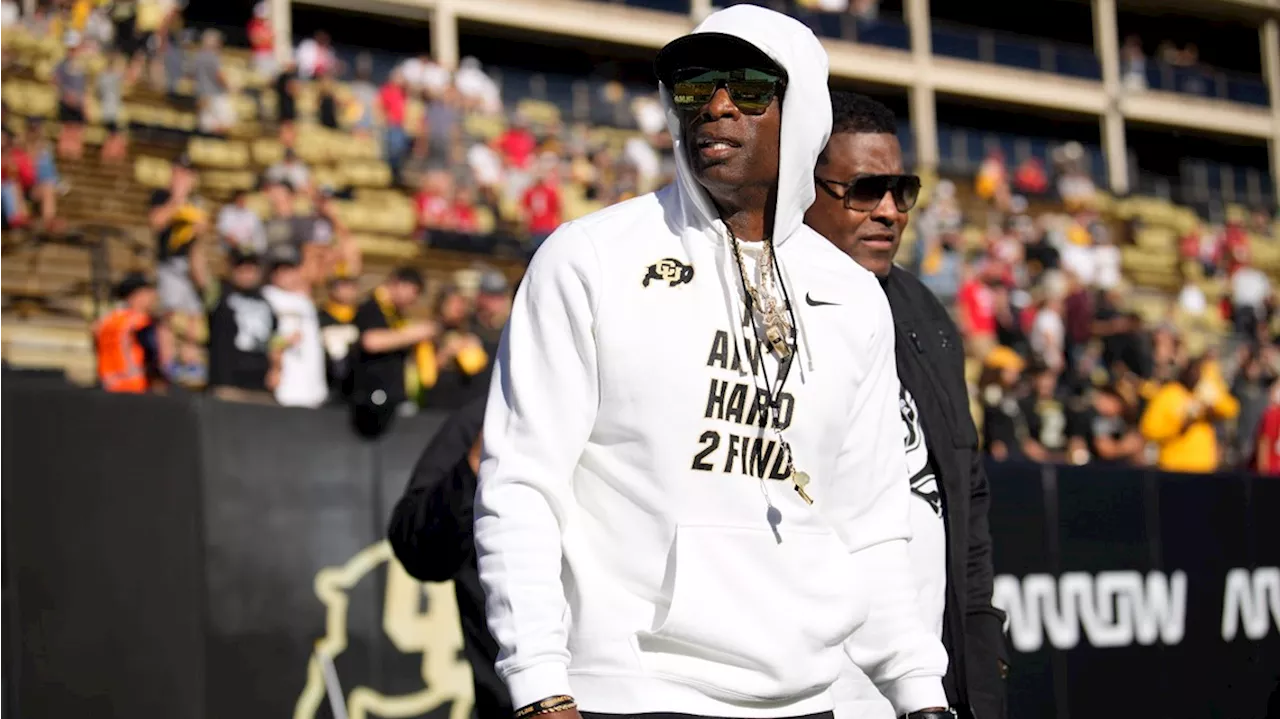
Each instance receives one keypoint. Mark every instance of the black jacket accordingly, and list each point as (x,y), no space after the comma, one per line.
(431,534)
(931,366)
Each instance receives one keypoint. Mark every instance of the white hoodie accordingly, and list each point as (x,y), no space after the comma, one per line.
(622,519)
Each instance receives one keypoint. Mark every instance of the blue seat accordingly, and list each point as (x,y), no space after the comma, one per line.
(955,43)
(1248,90)
(884,32)
(1077,62)
(1017,53)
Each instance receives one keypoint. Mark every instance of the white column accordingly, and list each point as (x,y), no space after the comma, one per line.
(699,9)
(444,34)
(920,96)
(282,26)
(1271,69)
(1106,41)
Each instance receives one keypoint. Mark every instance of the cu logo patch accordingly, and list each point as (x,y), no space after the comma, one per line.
(420,620)
(669,270)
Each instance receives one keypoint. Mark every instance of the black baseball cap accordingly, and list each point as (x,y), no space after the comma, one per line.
(714,51)
(131,283)
(237,257)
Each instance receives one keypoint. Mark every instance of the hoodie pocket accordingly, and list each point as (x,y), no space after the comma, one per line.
(752,617)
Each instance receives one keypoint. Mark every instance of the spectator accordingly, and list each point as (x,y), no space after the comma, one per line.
(19,179)
(392,99)
(394,357)
(111,87)
(217,114)
(433,201)
(416,167)
(1133,65)
(1191,300)
(444,125)
(1267,455)
(1250,297)
(178,219)
(262,42)
(1031,177)
(72,81)
(1074,186)
(1252,388)
(940,266)
(1003,423)
(126,342)
(48,183)
(992,183)
(1120,332)
(480,94)
(493,306)
(541,205)
(459,354)
(243,364)
(1180,419)
(486,167)
(302,381)
(425,77)
(239,227)
(518,144)
(1109,423)
(1052,432)
(315,57)
(10,14)
(462,214)
(339,332)
(328,109)
(976,306)
(364,96)
(292,171)
(286,88)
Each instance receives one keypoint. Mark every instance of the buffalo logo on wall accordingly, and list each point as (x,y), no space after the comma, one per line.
(417,618)
(669,270)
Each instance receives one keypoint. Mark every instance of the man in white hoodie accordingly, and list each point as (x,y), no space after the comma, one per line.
(691,500)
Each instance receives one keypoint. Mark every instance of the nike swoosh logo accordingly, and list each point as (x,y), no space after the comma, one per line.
(816,303)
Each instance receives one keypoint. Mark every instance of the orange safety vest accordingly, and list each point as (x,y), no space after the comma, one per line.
(121,361)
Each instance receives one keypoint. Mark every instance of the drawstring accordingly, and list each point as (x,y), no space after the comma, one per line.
(736,308)
(800,328)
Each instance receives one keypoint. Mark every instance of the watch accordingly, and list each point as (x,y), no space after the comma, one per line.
(931,714)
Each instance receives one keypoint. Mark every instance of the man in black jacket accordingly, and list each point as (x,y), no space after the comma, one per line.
(431,535)
(862,201)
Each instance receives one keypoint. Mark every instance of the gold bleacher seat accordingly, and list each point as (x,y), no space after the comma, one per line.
(375,247)
(218,154)
(227,181)
(267,151)
(367,174)
(152,172)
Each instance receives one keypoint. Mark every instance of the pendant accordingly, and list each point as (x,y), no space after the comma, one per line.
(801,480)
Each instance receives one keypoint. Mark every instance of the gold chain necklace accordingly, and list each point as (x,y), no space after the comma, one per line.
(780,332)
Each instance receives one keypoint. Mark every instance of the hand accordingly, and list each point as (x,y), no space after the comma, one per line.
(293,339)
(273,379)
(424,331)
(1194,409)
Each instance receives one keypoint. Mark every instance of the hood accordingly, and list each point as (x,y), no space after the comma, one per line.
(806,113)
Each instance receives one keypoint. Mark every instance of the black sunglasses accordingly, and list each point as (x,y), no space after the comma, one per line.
(864,192)
(750,90)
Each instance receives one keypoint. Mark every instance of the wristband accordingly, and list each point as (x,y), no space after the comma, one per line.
(931,714)
(546,706)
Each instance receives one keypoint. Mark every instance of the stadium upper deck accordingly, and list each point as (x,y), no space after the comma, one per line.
(929,59)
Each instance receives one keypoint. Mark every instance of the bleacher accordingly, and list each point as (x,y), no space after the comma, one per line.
(50,279)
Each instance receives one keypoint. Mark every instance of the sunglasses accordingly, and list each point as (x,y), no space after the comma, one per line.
(750,90)
(864,192)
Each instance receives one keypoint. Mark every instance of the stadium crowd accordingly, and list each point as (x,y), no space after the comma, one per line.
(1064,369)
